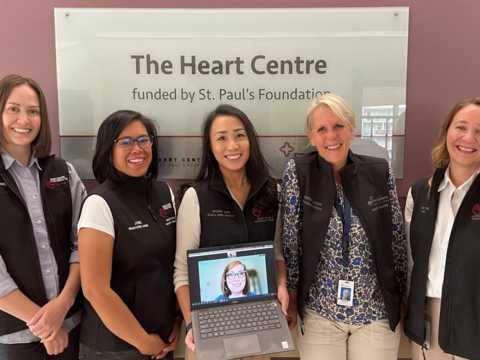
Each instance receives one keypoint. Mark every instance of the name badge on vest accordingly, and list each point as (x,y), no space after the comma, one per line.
(345,293)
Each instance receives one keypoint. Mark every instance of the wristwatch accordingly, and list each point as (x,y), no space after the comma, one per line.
(189,326)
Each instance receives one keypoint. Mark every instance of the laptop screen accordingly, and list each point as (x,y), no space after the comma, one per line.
(231,274)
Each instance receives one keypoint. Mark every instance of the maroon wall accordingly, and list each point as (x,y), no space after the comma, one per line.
(443,57)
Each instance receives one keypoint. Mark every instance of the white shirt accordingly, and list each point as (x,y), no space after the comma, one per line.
(450,199)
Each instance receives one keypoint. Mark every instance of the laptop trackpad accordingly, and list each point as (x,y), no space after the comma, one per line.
(241,345)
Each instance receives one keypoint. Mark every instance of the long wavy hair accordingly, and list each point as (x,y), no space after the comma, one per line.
(440,157)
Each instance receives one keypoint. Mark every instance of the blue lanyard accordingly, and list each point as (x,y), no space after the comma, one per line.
(347,222)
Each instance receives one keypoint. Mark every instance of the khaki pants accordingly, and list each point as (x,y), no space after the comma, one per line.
(325,339)
(432,314)
(190,355)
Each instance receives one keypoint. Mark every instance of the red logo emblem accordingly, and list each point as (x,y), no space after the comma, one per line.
(256,212)
(476,209)
(162,213)
(287,149)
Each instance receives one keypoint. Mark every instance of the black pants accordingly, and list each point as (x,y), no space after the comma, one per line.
(37,351)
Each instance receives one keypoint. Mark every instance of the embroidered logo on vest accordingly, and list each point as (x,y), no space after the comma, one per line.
(167,212)
(476,212)
(138,225)
(308,201)
(56,181)
(379,202)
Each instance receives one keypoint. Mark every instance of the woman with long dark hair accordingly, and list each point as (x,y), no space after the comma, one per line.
(234,181)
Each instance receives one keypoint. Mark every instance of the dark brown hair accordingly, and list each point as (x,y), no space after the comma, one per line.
(43,142)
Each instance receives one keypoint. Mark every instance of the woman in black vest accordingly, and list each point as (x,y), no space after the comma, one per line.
(40,198)
(127,247)
(342,234)
(442,216)
(233,179)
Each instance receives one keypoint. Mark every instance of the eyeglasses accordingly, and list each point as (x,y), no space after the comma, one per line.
(126,143)
(240,274)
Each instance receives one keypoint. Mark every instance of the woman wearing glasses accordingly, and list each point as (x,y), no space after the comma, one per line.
(127,246)
(235,282)
(234,200)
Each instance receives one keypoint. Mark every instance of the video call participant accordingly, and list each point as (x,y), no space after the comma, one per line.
(40,198)
(127,247)
(342,225)
(233,181)
(235,282)
(442,217)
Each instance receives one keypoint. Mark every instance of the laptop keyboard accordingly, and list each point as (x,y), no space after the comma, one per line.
(237,320)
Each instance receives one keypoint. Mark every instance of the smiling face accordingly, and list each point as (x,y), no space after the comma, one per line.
(346,294)
(237,283)
(331,136)
(229,143)
(463,140)
(135,161)
(21,120)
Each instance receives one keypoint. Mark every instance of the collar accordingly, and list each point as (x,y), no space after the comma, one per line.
(256,183)
(125,181)
(446,181)
(8,160)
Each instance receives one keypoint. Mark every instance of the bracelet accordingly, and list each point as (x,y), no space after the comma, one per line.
(188,327)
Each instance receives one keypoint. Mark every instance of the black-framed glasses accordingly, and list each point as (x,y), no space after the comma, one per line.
(240,274)
(126,143)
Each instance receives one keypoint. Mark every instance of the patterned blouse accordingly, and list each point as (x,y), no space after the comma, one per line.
(368,303)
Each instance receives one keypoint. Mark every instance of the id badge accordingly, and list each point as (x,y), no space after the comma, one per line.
(345,293)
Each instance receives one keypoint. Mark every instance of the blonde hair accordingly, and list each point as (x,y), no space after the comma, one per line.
(338,106)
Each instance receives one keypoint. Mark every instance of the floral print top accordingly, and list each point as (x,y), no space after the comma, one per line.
(368,304)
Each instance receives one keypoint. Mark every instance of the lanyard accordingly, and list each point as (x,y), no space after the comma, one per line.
(347,222)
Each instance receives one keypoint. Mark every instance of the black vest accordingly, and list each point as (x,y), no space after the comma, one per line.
(222,220)
(459,328)
(143,255)
(364,181)
(17,240)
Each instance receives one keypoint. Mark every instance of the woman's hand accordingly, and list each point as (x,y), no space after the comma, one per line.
(173,339)
(47,322)
(284,299)
(57,344)
(189,340)
(292,310)
(153,346)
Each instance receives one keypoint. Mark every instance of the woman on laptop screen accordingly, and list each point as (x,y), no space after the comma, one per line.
(233,200)
(235,282)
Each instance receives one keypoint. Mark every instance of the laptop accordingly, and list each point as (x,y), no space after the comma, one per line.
(233,301)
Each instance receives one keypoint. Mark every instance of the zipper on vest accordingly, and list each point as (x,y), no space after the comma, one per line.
(424,347)
(151,213)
